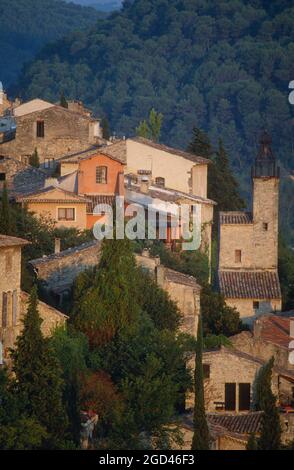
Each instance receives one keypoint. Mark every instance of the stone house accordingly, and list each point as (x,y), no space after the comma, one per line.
(248,244)
(65,208)
(19,177)
(13,301)
(51,129)
(182,289)
(56,272)
(229,380)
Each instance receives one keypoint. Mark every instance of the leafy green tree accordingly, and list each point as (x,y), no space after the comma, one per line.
(265,400)
(39,377)
(151,129)
(34,159)
(63,102)
(201,432)
(218,317)
(5,213)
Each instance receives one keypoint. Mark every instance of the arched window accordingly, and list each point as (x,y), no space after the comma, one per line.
(101,174)
(159,181)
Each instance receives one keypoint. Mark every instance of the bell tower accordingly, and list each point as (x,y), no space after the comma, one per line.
(266,177)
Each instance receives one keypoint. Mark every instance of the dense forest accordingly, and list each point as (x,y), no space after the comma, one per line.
(26,25)
(101,5)
(223,66)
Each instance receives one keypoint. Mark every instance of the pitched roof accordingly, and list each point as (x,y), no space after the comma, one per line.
(99,200)
(25,298)
(275,329)
(240,424)
(116,151)
(235,217)
(6,241)
(31,107)
(165,148)
(180,278)
(250,284)
(65,253)
(33,197)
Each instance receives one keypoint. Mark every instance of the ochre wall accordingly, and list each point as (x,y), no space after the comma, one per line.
(49,210)
(87,175)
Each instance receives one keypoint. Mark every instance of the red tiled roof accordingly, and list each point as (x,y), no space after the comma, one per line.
(275,329)
(235,217)
(250,284)
(98,199)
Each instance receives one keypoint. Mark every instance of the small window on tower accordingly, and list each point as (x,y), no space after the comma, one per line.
(238,256)
(256,305)
(2,176)
(206,371)
(265,226)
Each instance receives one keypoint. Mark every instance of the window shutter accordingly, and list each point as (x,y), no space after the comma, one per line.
(4,309)
(230,396)
(244,397)
(14,308)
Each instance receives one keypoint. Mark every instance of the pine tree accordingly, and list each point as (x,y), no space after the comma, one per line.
(200,144)
(201,432)
(39,377)
(265,400)
(34,159)
(63,101)
(5,213)
(106,133)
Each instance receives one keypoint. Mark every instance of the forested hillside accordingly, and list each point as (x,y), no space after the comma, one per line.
(26,25)
(223,66)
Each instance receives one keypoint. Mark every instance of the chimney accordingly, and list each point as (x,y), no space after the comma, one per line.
(160,275)
(57,245)
(144,185)
(50,182)
(157,260)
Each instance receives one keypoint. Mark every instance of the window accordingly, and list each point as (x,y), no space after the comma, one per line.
(1,353)
(244,397)
(160,182)
(49,162)
(66,213)
(101,174)
(256,305)
(206,371)
(4,309)
(230,396)
(2,176)
(238,256)
(40,129)
(265,226)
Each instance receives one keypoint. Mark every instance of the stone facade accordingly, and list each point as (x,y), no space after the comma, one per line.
(248,245)
(56,273)
(53,130)
(13,302)
(19,177)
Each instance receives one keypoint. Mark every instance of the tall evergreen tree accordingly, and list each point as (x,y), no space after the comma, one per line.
(201,432)
(151,129)
(251,443)
(39,377)
(63,101)
(34,159)
(265,400)
(106,133)
(5,213)
(200,144)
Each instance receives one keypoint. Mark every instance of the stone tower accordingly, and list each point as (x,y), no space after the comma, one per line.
(265,175)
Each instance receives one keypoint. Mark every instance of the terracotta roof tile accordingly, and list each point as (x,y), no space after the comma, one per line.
(240,424)
(99,199)
(235,217)
(180,278)
(250,284)
(275,329)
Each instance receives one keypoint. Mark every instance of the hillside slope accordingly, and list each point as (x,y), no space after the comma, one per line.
(224,66)
(26,25)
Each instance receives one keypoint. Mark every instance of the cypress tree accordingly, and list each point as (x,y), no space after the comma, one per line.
(265,400)
(200,144)
(63,101)
(201,432)
(5,213)
(34,159)
(251,443)
(106,133)
(39,377)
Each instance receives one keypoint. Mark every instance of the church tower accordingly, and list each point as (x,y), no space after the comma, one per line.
(266,176)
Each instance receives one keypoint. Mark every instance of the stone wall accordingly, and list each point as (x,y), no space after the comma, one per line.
(248,313)
(65,132)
